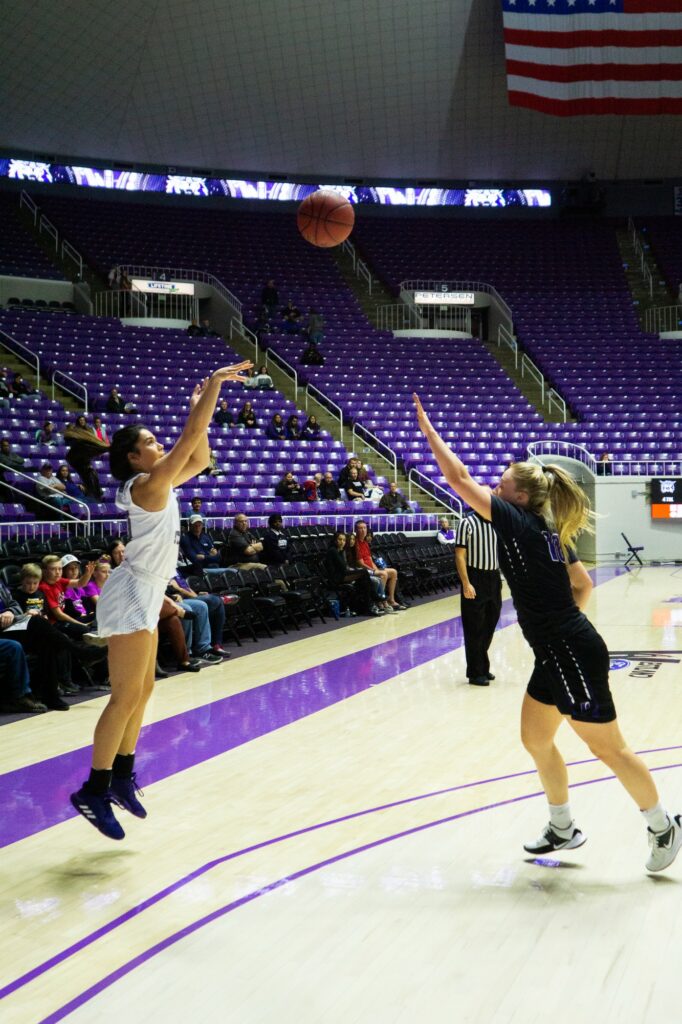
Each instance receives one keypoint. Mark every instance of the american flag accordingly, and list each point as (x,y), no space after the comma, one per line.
(571,57)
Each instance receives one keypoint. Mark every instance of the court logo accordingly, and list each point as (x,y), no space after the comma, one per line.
(646,663)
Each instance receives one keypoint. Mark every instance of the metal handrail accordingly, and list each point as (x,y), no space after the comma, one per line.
(362,270)
(377,444)
(45,224)
(458,286)
(32,497)
(348,247)
(35,365)
(70,389)
(505,337)
(246,333)
(122,302)
(73,254)
(528,364)
(185,274)
(663,318)
(323,400)
(452,502)
(398,316)
(30,204)
(285,366)
(568,449)
(554,398)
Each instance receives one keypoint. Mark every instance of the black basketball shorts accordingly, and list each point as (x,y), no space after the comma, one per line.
(572,673)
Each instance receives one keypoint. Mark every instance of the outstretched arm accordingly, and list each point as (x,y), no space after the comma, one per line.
(452,468)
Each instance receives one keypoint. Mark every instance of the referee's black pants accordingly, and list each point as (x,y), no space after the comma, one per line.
(480,615)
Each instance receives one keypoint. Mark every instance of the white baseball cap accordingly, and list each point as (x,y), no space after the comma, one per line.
(68,559)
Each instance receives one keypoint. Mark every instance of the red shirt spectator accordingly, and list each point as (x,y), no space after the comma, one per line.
(364,554)
(54,595)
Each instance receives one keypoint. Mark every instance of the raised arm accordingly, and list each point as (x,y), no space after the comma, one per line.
(452,468)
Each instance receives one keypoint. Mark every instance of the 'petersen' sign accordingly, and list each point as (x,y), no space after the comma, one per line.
(444,298)
(140,284)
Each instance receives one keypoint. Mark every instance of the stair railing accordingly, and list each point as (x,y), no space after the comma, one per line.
(27,356)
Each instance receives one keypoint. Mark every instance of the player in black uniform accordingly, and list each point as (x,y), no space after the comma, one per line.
(537,513)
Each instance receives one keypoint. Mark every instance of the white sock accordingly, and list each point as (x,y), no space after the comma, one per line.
(657,818)
(560,816)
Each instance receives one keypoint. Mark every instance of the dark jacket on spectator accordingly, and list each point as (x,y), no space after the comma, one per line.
(224,418)
(275,547)
(329,490)
(234,550)
(191,546)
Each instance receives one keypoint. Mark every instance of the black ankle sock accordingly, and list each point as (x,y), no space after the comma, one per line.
(99,781)
(123,765)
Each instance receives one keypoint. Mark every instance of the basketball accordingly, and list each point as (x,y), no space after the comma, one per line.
(325,219)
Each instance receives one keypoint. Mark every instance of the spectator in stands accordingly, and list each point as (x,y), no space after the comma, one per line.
(291,318)
(198,547)
(311,356)
(355,490)
(258,379)
(15,692)
(5,392)
(315,327)
(311,430)
(223,417)
(269,298)
(328,490)
(54,585)
(213,469)
(605,465)
(340,575)
(344,475)
(262,323)
(74,596)
(276,430)
(99,430)
(8,458)
(83,448)
(117,404)
(52,490)
(247,417)
(243,550)
(193,330)
(275,542)
(21,387)
(47,434)
(194,622)
(378,590)
(293,428)
(215,607)
(116,552)
(71,488)
(388,577)
(196,506)
(93,589)
(394,501)
(445,535)
(114,277)
(289,489)
(206,331)
(170,627)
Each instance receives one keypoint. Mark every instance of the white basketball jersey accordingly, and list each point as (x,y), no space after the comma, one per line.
(154,536)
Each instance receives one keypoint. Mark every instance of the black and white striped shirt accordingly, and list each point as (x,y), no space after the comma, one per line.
(478,537)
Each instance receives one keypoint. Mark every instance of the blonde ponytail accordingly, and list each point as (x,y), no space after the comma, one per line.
(554,494)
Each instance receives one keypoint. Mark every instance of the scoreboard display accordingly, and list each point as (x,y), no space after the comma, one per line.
(666,498)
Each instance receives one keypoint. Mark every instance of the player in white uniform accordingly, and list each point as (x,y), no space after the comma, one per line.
(128,609)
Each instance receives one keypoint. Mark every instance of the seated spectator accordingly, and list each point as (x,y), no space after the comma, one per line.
(54,586)
(93,589)
(243,551)
(215,608)
(314,327)
(170,627)
(344,475)
(328,490)
(20,387)
(293,428)
(247,417)
(275,542)
(213,469)
(5,392)
(196,506)
(72,489)
(388,577)
(311,356)
(339,573)
(117,404)
(99,430)
(262,325)
(269,297)
(289,489)
(84,446)
(198,547)
(276,430)
(15,690)
(355,490)
(310,487)
(194,623)
(74,596)
(193,330)
(116,552)
(445,535)
(8,458)
(206,331)
(311,430)
(377,586)
(50,489)
(393,501)
(47,434)
(258,379)
(291,318)
(605,465)
(222,416)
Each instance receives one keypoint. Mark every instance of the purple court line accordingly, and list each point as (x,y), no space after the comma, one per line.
(157,897)
(36,797)
(171,940)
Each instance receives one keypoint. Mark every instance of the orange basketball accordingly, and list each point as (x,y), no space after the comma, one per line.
(325,219)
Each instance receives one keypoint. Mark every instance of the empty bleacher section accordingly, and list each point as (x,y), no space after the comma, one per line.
(20,256)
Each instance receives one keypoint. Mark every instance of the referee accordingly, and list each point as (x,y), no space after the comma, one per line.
(479,572)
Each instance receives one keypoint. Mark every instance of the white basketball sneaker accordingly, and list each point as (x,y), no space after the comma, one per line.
(664,846)
(553,839)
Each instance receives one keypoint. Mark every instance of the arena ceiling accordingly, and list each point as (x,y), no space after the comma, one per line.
(371,89)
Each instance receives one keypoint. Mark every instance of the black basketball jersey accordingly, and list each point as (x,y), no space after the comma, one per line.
(533,565)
